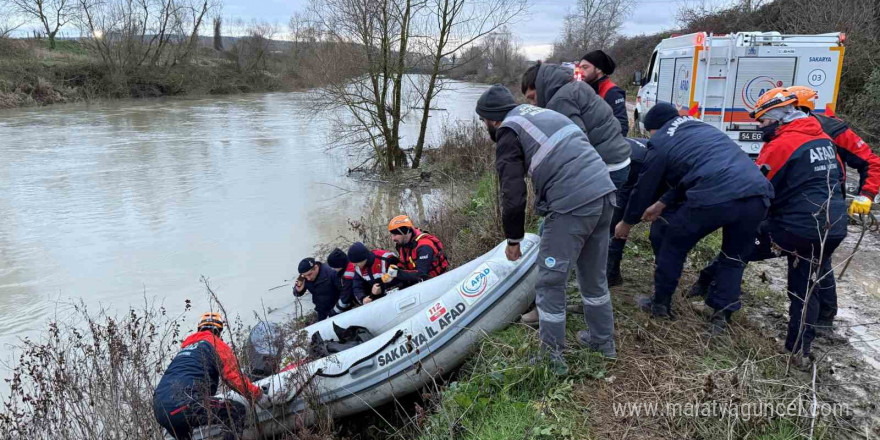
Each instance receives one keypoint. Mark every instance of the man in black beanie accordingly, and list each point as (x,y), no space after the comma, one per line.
(595,68)
(715,186)
(574,192)
(338,261)
(371,268)
(320,280)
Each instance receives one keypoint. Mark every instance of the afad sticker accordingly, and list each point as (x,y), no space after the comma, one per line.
(436,311)
(477,283)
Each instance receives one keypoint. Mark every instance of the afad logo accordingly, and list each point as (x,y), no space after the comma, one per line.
(436,311)
(474,286)
(757,87)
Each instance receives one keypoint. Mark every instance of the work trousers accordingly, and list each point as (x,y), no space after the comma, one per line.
(579,242)
(738,219)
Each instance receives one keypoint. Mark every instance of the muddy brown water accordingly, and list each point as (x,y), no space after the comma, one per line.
(110,202)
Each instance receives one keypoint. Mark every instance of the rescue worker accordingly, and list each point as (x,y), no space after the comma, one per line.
(421,254)
(369,269)
(338,261)
(184,398)
(717,185)
(595,68)
(854,152)
(807,219)
(552,86)
(322,282)
(575,195)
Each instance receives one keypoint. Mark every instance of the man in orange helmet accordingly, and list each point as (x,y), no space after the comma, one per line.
(854,151)
(184,398)
(421,254)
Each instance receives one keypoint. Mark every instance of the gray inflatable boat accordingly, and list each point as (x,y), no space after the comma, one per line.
(420,332)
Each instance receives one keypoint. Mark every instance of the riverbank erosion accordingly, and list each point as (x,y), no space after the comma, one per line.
(32,74)
(671,379)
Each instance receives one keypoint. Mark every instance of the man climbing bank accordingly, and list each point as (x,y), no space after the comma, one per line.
(322,282)
(575,194)
(184,398)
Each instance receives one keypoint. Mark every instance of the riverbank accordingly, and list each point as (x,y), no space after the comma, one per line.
(671,379)
(33,75)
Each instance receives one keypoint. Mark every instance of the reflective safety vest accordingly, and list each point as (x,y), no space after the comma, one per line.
(408,255)
(373,272)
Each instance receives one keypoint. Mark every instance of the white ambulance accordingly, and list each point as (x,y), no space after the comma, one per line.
(718,78)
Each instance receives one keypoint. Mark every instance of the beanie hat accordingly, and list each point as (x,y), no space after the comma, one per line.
(659,115)
(601,60)
(495,103)
(358,252)
(337,259)
(306,264)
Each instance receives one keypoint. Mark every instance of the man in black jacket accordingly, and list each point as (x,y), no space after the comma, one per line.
(574,193)
(322,282)
(720,188)
(595,67)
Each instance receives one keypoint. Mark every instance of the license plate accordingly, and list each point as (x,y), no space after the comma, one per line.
(751,136)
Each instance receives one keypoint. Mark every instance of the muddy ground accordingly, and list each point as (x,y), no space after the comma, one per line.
(850,357)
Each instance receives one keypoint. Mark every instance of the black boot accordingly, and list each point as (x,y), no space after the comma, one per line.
(647,304)
(612,272)
(719,321)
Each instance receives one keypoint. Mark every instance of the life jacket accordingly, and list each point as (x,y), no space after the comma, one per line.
(605,84)
(372,273)
(408,254)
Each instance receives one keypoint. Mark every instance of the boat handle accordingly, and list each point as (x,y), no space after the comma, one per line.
(406,303)
(362,366)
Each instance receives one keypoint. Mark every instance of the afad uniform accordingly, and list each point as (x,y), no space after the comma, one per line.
(421,259)
(809,208)
(183,397)
(377,265)
(855,152)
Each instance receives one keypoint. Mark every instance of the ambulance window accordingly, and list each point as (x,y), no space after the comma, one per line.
(651,70)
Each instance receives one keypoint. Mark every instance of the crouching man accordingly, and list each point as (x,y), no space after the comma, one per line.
(575,194)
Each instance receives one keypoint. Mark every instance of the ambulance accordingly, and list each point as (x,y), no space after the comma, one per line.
(719,78)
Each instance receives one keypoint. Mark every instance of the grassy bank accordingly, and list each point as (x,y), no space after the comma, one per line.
(32,74)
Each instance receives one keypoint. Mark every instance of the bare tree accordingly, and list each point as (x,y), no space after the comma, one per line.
(251,51)
(381,30)
(451,26)
(10,20)
(128,34)
(218,35)
(593,24)
(52,14)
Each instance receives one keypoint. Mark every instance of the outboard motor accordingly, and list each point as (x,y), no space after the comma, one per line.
(264,350)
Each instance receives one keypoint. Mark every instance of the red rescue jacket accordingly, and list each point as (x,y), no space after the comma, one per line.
(855,152)
(409,255)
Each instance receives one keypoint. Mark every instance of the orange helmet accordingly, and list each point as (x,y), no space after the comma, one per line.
(211,321)
(805,96)
(773,98)
(399,222)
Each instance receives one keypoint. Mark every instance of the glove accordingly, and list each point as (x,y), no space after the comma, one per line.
(860,205)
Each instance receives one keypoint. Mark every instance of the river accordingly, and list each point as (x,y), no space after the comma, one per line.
(113,202)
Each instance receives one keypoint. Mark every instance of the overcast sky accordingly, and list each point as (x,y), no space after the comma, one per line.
(536,30)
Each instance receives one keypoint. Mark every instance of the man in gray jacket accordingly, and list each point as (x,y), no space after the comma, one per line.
(574,193)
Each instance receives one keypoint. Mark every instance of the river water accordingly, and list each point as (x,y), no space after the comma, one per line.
(117,201)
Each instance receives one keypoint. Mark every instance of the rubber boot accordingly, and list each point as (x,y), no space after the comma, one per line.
(612,272)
